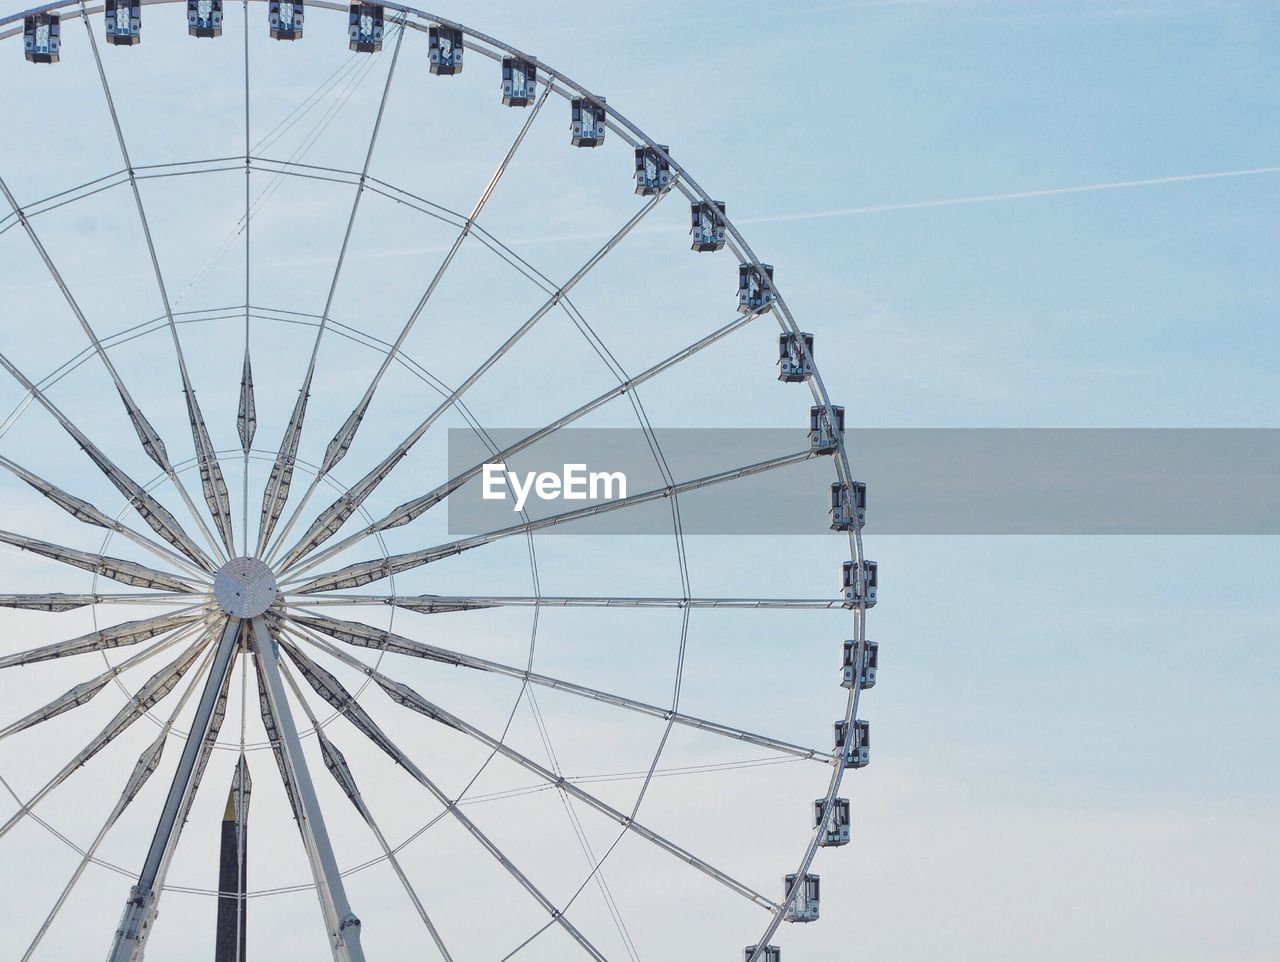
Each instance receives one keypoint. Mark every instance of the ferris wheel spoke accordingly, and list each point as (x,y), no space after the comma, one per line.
(147,434)
(407,697)
(333,692)
(156,688)
(366,572)
(59,601)
(117,569)
(155,514)
(443,604)
(345,436)
(247,412)
(82,510)
(138,919)
(342,924)
(412,509)
(336,763)
(364,636)
(281,479)
(333,517)
(84,692)
(118,636)
(211,478)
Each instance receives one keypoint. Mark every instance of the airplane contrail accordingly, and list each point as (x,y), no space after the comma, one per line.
(1013,195)
(838,212)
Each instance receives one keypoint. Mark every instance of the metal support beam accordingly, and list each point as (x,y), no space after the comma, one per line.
(342,924)
(144,899)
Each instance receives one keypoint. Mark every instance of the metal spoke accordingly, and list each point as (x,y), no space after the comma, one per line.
(118,636)
(277,490)
(147,435)
(157,687)
(117,569)
(58,601)
(138,918)
(337,765)
(364,636)
(342,925)
(332,691)
(412,509)
(247,415)
(331,520)
(211,479)
(155,514)
(403,695)
(82,510)
(366,572)
(439,604)
(345,436)
(84,692)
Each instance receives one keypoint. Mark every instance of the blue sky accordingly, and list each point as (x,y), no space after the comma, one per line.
(1075,753)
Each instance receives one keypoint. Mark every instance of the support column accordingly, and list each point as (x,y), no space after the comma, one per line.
(341,923)
(144,898)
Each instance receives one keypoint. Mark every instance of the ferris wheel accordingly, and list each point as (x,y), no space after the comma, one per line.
(282,649)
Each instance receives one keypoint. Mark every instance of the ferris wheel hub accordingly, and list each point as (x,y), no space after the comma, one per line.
(244,587)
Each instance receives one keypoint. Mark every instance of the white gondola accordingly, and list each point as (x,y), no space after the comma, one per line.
(849,671)
(848,506)
(823,436)
(753,291)
(519,82)
(857,750)
(834,823)
(204,18)
(445,44)
(122,20)
(858,583)
(42,37)
(805,906)
(795,365)
(706,230)
(653,173)
(770,953)
(588,122)
(285,18)
(365,27)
